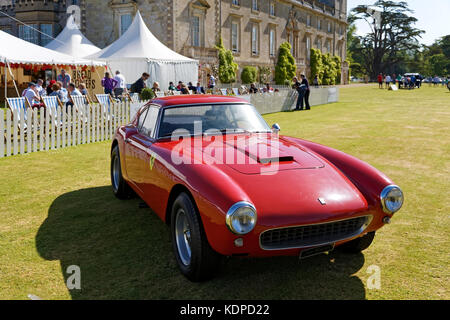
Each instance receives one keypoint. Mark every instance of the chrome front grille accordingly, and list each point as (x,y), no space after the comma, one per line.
(314,234)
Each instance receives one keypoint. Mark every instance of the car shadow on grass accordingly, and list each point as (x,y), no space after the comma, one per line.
(125,253)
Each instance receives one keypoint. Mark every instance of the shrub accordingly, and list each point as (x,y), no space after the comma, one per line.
(264,74)
(286,67)
(227,66)
(249,75)
(316,64)
(147,94)
(329,70)
(337,61)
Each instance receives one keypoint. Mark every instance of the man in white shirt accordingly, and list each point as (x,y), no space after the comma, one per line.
(32,95)
(40,90)
(211,81)
(121,86)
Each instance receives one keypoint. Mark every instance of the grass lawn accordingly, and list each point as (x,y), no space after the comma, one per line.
(57,210)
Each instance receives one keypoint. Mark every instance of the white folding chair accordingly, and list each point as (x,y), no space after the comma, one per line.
(18,104)
(53,104)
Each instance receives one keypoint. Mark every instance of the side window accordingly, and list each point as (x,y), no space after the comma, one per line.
(141,119)
(149,123)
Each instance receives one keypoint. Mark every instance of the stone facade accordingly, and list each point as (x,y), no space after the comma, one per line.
(253,29)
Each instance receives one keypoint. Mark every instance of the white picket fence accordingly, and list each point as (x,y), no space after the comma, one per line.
(42,130)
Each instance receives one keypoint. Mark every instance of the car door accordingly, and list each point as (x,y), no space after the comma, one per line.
(138,146)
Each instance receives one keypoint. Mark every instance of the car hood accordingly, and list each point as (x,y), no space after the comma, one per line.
(297,187)
(259,154)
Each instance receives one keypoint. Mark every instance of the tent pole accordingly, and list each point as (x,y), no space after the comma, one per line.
(6,83)
(14,80)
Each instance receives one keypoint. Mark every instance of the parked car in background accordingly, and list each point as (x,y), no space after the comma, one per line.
(301,198)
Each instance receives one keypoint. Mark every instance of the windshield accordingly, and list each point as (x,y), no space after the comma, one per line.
(204,119)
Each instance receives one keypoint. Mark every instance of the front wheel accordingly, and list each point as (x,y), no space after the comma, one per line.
(359,244)
(195,257)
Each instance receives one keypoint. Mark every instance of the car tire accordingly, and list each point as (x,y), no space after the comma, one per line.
(121,189)
(359,244)
(195,257)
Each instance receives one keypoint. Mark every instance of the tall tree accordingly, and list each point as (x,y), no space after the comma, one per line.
(392,34)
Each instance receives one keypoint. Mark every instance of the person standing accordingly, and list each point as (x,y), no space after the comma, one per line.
(64,78)
(121,86)
(316,81)
(211,81)
(380,81)
(388,81)
(301,92)
(108,83)
(305,84)
(139,85)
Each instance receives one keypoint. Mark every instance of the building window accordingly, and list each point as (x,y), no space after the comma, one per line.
(329,46)
(319,44)
(196,31)
(255,39)
(255,5)
(29,33)
(319,24)
(308,47)
(235,37)
(272,8)
(125,22)
(329,26)
(272,42)
(47,34)
(236,3)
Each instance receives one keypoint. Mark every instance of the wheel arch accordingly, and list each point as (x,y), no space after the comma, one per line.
(174,193)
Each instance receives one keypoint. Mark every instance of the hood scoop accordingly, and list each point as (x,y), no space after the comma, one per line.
(275,159)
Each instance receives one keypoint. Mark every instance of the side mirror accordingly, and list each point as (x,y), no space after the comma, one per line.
(276,128)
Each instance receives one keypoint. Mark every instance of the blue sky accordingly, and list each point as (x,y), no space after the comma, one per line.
(433,16)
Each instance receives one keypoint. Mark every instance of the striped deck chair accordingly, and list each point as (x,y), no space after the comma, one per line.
(17,104)
(133,97)
(160,94)
(80,103)
(224,92)
(53,104)
(105,100)
(236,92)
(177,93)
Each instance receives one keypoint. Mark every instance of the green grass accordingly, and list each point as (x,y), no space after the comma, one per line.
(57,210)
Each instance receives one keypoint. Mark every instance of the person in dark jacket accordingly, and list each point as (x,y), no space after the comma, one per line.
(305,83)
(140,83)
(301,92)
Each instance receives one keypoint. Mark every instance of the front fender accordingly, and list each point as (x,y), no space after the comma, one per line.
(366,178)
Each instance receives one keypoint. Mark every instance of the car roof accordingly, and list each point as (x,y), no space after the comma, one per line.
(195,100)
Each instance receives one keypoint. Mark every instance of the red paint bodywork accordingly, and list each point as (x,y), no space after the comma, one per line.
(350,186)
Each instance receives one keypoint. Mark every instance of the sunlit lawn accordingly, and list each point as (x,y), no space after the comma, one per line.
(57,210)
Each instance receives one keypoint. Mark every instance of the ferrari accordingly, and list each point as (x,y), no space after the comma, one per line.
(229,185)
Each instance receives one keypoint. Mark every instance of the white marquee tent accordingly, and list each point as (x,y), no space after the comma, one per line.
(138,51)
(72,42)
(15,50)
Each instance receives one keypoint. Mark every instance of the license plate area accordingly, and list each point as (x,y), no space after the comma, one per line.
(316,250)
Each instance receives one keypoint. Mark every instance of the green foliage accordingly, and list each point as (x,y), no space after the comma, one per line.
(286,67)
(338,66)
(326,67)
(316,64)
(439,64)
(329,70)
(249,74)
(227,66)
(147,94)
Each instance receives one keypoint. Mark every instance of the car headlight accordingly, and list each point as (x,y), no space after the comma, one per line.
(241,218)
(391,199)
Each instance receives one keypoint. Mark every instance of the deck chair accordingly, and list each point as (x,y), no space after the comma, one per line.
(160,94)
(224,92)
(105,100)
(236,92)
(53,104)
(80,103)
(133,97)
(17,104)
(177,93)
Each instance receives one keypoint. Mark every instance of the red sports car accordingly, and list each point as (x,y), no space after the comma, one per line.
(229,185)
